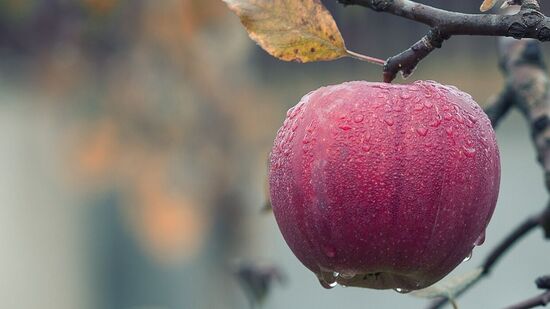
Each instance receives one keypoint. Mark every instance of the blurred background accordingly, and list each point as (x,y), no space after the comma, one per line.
(133,145)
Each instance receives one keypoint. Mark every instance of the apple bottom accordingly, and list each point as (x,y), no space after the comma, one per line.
(381,280)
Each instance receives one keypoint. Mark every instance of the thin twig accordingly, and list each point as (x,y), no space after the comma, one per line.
(529,22)
(543,282)
(540,300)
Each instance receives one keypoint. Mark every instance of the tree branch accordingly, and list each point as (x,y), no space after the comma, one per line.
(539,300)
(407,61)
(529,86)
(499,106)
(529,22)
(543,282)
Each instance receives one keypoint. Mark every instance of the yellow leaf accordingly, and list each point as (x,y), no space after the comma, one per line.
(487,5)
(291,30)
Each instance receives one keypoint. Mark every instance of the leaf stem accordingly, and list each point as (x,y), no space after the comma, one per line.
(366,58)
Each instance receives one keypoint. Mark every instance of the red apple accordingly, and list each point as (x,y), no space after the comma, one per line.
(384,186)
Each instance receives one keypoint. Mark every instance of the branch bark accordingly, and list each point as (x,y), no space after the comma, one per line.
(528,85)
(499,106)
(543,282)
(529,22)
(539,300)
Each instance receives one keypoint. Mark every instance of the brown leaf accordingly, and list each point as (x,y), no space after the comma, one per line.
(291,30)
(487,5)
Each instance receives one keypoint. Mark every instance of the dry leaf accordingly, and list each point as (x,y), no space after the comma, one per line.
(291,30)
(487,5)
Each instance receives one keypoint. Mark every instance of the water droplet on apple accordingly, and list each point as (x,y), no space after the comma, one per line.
(347,275)
(468,257)
(358,118)
(327,285)
(402,291)
(389,121)
(290,113)
(448,116)
(367,137)
(436,122)
(422,131)
(381,86)
(469,152)
(480,240)
(345,127)
(329,251)
(327,279)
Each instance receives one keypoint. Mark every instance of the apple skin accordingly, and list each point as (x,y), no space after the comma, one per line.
(384,186)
